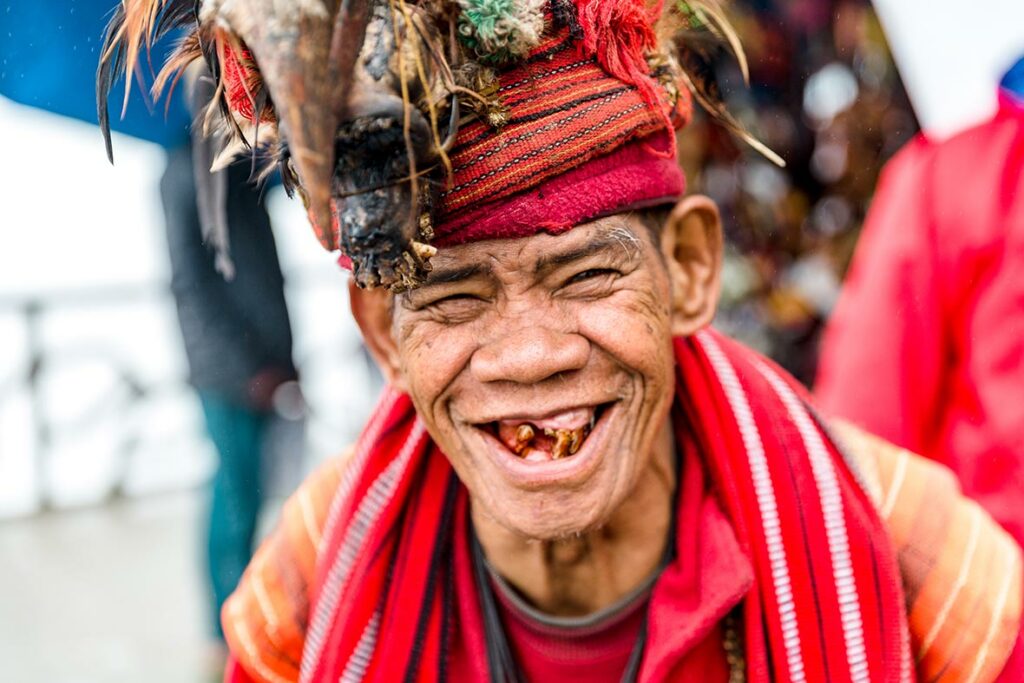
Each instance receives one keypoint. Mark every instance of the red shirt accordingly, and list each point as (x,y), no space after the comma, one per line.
(685,610)
(596,652)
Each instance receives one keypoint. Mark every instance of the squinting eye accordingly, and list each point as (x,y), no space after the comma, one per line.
(591,273)
(455,309)
(454,297)
(454,304)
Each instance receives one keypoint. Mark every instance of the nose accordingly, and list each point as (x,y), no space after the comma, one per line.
(530,355)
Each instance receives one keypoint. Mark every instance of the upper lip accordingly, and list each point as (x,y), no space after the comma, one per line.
(531,415)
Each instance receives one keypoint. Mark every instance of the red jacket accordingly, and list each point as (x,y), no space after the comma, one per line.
(926,346)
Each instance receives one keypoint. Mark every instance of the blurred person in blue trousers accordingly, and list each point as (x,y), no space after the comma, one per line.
(238,343)
(237,334)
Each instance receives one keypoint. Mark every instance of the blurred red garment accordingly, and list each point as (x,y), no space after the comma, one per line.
(926,345)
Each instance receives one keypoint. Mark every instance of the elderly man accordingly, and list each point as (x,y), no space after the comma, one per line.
(571,476)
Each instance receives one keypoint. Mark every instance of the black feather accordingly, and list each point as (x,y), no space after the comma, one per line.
(110,67)
(257,106)
(212,62)
(284,168)
(173,14)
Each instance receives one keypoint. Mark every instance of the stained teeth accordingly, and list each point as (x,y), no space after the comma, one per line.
(535,443)
(562,441)
(524,434)
(575,439)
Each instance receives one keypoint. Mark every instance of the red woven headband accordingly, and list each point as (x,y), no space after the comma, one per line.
(578,144)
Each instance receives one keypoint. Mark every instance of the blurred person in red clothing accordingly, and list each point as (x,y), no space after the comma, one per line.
(926,345)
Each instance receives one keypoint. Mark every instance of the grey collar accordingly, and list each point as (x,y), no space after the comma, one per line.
(586,622)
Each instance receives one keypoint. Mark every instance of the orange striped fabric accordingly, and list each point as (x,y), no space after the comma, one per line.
(962,573)
(265,620)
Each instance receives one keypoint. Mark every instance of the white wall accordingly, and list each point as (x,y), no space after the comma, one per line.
(951,54)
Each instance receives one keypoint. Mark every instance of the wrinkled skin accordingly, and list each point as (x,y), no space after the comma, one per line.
(591,332)
(537,326)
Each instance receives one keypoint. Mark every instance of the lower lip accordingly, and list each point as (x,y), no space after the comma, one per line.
(563,472)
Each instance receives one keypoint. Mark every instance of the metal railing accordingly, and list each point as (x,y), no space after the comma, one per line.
(130,389)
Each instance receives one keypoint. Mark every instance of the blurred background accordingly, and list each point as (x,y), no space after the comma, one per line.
(105,448)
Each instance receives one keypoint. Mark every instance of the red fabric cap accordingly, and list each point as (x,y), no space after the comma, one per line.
(636,175)
(561,109)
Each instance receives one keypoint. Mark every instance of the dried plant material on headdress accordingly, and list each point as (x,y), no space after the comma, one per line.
(432,79)
(500,31)
(704,15)
(700,39)
(477,84)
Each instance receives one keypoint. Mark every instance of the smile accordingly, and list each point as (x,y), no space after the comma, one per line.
(559,448)
(543,439)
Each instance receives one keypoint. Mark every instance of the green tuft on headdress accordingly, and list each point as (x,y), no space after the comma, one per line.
(500,31)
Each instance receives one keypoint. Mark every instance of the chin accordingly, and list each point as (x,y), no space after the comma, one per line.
(525,522)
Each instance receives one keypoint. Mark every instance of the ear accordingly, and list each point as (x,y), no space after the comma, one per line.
(372,310)
(691,242)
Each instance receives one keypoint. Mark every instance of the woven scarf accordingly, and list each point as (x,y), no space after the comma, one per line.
(826,603)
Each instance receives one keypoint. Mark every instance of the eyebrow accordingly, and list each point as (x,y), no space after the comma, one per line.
(613,238)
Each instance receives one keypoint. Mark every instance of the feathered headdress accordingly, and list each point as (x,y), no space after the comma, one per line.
(395,120)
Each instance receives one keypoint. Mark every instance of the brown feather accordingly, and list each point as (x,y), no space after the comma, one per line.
(140,18)
(707,35)
(188,50)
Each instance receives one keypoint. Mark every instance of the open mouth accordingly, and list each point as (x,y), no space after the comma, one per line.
(548,438)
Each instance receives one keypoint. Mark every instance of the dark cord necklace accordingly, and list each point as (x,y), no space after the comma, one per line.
(501,663)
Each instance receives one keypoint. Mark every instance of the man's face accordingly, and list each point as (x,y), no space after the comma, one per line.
(543,368)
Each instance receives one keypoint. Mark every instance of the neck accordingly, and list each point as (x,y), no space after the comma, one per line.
(584,573)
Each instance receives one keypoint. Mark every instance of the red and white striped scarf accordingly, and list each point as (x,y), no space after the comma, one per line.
(826,603)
